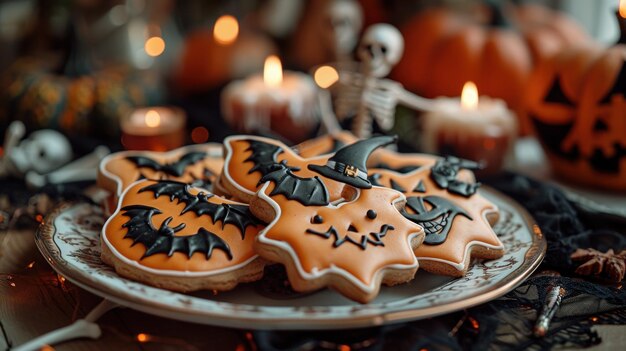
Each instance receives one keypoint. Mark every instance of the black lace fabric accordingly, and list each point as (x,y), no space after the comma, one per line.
(507,323)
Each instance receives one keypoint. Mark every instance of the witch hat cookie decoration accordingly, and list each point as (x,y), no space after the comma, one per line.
(352,244)
(348,164)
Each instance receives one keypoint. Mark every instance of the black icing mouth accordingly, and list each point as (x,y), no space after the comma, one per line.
(437,221)
(374,238)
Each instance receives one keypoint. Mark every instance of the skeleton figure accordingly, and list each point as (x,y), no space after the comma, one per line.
(344,20)
(367,95)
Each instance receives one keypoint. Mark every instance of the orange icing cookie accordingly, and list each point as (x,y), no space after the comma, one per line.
(173,235)
(248,158)
(352,244)
(442,196)
(200,163)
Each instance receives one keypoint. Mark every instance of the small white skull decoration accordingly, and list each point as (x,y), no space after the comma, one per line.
(43,151)
(380,49)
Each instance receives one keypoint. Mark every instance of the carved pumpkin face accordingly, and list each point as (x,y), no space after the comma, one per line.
(578,109)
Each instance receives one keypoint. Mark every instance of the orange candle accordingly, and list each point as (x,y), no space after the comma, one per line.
(153,128)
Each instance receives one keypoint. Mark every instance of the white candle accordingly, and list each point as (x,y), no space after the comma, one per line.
(279,102)
(481,129)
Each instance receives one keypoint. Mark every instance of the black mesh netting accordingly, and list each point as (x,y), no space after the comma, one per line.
(507,323)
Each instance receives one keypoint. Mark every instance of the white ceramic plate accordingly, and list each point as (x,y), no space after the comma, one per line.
(70,241)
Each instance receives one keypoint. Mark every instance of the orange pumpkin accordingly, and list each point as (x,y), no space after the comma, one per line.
(445,50)
(578,107)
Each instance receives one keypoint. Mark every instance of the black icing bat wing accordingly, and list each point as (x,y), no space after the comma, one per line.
(307,191)
(237,215)
(176,169)
(163,239)
(264,156)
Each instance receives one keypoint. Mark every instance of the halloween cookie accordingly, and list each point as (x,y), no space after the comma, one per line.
(250,158)
(443,197)
(175,236)
(199,164)
(351,244)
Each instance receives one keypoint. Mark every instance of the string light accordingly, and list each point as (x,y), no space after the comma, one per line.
(141,337)
(31,265)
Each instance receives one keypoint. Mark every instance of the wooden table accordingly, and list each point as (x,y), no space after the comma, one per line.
(34,301)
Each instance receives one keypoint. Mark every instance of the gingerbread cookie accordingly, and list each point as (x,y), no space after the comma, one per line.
(200,164)
(175,236)
(442,196)
(352,244)
(249,158)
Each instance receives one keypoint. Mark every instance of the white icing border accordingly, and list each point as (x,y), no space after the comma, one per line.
(212,150)
(229,154)
(316,274)
(167,272)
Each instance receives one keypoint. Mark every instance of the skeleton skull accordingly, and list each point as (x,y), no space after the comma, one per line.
(344,21)
(380,49)
(42,152)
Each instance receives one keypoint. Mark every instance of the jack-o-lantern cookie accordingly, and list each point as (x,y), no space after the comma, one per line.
(179,237)
(199,164)
(442,196)
(352,244)
(249,158)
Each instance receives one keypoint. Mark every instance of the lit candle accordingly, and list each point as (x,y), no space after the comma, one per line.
(480,129)
(275,102)
(153,128)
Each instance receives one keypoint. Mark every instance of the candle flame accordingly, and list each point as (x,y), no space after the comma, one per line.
(469,96)
(326,76)
(622,8)
(226,30)
(273,71)
(152,119)
(154,46)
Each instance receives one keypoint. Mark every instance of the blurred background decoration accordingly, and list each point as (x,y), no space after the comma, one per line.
(84,66)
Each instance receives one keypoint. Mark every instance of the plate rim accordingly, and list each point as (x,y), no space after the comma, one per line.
(51,252)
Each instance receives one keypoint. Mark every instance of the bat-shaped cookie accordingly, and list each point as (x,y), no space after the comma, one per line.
(249,158)
(163,239)
(181,237)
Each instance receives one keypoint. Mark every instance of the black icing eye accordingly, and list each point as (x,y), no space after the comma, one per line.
(317,219)
(383,49)
(371,214)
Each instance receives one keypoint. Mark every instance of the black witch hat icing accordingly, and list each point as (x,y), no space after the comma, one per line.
(348,163)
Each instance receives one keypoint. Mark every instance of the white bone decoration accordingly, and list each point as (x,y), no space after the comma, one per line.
(43,151)
(44,158)
(366,94)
